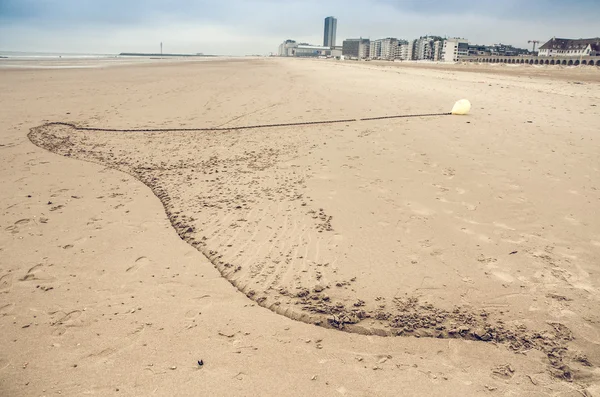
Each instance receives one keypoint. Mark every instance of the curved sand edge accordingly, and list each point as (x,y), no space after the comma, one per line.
(553,343)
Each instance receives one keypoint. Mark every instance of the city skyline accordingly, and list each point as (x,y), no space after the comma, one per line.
(225,28)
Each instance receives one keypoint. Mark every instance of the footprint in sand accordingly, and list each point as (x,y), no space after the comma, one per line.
(37,272)
(139,263)
(66,321)
(68,318)
(6,283)
(440,187)
(14,229)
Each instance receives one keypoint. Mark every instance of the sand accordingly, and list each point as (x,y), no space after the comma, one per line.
(444,255)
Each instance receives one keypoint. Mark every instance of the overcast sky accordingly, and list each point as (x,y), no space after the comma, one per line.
(239,27)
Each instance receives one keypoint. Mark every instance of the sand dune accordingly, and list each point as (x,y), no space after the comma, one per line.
(480,228)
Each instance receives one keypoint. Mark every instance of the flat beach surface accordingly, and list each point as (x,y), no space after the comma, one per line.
(434,255)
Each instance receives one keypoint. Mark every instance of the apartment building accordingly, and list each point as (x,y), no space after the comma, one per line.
(356,48)
(454,49)
(384,49)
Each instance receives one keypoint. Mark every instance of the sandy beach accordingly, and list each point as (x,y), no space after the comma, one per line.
(440,255)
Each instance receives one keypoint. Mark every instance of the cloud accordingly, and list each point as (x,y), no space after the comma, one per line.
(246,26)
(504,9)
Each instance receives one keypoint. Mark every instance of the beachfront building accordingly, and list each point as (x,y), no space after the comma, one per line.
(438,46)
(290,48)
(356,48)
(411,49)
(308,50)
(423,48)
(384,49)
(401,50)
(389,48)
(570,48)
(330,32)
(286,48)
(375,49)
(405,52)
(336,51)
(454,49)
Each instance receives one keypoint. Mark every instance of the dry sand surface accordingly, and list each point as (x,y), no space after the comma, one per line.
(459,253)
(563,73)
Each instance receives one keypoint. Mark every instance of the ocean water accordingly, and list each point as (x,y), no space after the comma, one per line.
(52,55)
(61,60)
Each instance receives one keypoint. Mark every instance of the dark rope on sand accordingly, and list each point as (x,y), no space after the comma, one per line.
(247,127)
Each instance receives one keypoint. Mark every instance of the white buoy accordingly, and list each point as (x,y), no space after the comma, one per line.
(462,107)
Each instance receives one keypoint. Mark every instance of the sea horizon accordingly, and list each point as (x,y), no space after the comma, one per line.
(52,54)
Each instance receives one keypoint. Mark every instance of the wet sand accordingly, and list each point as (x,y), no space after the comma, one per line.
(465,239)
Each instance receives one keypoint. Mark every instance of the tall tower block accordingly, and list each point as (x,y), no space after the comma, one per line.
(330,32)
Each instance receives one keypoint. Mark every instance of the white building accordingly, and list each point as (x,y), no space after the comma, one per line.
(438,47)
(428,48)
(335,52)
(399,49)
(454,49)
(389,48)
(375,49)
(384,49)
(290,48)
(405,52)
(411,49)
(570,48)
(363,52)
(423,48)
(286,48)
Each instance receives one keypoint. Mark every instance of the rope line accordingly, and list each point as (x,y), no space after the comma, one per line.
(405,116)
(246,127)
